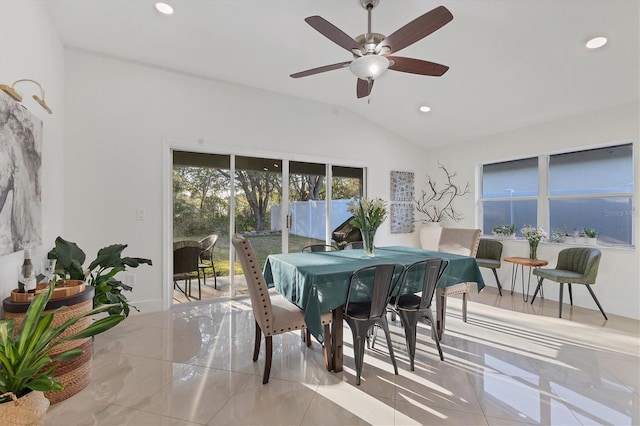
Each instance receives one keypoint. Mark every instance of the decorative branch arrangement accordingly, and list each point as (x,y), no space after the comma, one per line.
(436,203)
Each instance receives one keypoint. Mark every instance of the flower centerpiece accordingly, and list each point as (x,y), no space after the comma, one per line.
(368,216)
(534,236)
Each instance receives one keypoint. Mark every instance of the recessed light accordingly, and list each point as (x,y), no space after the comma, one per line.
(425,108)
(596,42)
(164,8)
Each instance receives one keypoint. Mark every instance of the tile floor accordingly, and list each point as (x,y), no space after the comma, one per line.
(512,363)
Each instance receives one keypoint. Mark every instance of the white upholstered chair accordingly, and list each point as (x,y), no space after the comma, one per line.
(463,241)
(273,313)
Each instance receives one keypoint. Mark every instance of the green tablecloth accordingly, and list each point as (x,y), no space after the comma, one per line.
(318,282)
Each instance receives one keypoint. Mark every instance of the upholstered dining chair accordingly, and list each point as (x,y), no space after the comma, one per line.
(414,303)
(318,247)
(489,255)
(462,241)
(273,313)
(186,255)
(370,289)
(206,254)
(576,265)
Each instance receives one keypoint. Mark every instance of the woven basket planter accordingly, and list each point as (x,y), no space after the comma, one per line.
(28,410)
(74,374)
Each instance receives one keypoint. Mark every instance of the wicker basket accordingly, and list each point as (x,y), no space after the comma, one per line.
(28,410)
(74,374)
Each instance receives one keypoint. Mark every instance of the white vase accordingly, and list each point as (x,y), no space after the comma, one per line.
(430,235)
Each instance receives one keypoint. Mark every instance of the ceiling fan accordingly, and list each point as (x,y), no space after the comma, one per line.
(371,51)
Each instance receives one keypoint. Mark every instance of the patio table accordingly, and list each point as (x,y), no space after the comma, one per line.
(318,282)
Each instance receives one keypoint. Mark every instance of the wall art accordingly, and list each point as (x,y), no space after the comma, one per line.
(402,186)
(401,218)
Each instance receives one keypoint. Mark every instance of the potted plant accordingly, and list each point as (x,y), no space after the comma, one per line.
(590,236)
(100,273)
(504,231)
(436,203)
(26,361)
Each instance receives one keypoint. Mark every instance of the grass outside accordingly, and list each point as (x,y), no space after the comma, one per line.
(263,245)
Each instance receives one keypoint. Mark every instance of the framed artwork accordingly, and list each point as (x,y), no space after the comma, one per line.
(402,186)
(20,177)
(401,218)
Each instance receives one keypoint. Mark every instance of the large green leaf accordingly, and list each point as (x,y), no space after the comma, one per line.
(70,257)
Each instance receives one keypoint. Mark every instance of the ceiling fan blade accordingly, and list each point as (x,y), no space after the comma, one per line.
(333,33)
(417,66)
(416,29)
(363,88)
(318,70)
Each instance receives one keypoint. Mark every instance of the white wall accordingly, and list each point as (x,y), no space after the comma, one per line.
(618,284)
(29,48)
(121,116)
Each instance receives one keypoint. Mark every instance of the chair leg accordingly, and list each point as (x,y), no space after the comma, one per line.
(538,288)
(495,274)
(434,335)
(560,301)
(307,335)
(267,363)
(359,332)
(570,294)
(215,279)
(409,320)
(385,326)
(256,347)
(464,306)
(597,303)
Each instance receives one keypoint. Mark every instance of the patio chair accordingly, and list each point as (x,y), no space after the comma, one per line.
(206,254)
(354,245)
(369,291)
(273,314)
(186,256)
(576,265)
(489,255)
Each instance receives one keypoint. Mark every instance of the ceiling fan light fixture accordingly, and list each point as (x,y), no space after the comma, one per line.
(369,66)
(424,108)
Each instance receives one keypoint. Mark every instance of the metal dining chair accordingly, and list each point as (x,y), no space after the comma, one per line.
(413,300)
(318,248)
(369,291)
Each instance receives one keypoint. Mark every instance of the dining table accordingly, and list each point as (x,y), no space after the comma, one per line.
(318,282)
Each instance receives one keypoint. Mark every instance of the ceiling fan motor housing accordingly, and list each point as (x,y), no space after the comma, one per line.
(369,3)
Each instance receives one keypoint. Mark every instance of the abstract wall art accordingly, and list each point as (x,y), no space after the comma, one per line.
(20,177)
(401,186)
(402,218)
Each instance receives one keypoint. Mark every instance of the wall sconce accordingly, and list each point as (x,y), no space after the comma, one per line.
(15,95)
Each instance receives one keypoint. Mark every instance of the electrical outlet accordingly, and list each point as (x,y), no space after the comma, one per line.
(140,213)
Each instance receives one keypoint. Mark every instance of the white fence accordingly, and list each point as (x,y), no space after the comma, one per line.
(309,217)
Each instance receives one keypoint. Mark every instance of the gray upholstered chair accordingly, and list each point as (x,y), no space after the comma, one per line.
(273,314)
(489,255)
(461,241)
(576,265)
(206,254)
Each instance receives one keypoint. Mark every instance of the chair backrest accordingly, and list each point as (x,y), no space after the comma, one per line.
(318,247)
(354,245)
(422,276)
(583,260)
(186,259)
(373,285)
(258,290)
(208,243)
(489,249)
(461,241)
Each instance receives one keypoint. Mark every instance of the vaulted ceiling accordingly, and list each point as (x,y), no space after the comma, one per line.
(513,63)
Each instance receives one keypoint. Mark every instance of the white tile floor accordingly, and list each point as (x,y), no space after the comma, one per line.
(512,363)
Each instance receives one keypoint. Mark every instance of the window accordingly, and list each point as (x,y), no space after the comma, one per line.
(510,193)
(582,189)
